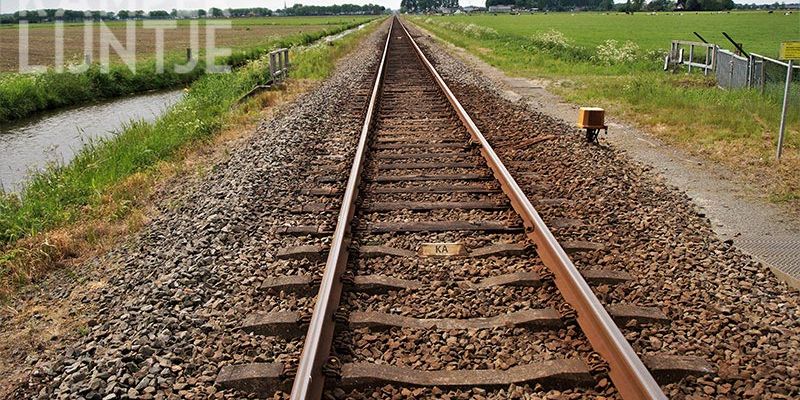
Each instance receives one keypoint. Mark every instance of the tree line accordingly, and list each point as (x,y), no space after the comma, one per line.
(426,5)
(609,5)
(49,15)
(344,9)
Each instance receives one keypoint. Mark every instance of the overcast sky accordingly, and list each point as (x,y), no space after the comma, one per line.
(7,6)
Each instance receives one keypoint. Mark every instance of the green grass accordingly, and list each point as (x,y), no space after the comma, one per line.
(286,21)
(758,31)
(737,128)
(22,95)
(62,194)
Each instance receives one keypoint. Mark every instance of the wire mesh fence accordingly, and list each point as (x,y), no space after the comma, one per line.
(732,70)
(755,72)
(768,76)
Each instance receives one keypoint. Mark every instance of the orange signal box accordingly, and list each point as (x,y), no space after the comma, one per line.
(593,120)
(592,117)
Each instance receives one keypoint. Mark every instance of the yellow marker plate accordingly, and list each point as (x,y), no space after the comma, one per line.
(790,50)
(442,249)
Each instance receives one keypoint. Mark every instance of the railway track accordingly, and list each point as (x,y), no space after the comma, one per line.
(439,274)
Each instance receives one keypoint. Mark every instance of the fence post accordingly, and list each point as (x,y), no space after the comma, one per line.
(705,68)
(763,75)
(750,67)
(188,54)
(286,54)
(87,59)
(714,57)
(785,106)
(272,65)
(691,57)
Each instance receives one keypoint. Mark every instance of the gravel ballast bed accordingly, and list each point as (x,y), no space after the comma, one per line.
(166,319)
(724,307)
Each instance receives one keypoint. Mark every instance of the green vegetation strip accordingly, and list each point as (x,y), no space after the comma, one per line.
(22,95)
(64,194)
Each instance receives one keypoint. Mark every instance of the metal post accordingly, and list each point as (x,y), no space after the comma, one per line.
(763,75)
(272,65)
(188,54)
(705,68)
(750,66)
(785,107)
(691,57)
(87,59)
(714,57)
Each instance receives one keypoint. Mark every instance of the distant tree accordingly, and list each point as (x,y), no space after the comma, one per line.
(201,13)
(693,5)
(216,12)
(660,5)
(173,13)
(606,5)
(124,14)
(159,14)
(627,7)
(139,14)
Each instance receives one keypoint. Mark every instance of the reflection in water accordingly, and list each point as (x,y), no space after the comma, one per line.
(32,144)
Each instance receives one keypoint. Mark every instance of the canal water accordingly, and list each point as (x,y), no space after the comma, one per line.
(55,137)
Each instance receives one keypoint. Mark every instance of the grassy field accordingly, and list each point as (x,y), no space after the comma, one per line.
(759,32)
(67,211)
(22,95)
(614,61)
(243,34)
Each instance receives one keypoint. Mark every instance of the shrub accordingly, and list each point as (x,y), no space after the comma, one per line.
(612,52)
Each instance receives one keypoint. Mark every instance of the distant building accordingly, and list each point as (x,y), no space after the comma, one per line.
(469,9)
(501,9)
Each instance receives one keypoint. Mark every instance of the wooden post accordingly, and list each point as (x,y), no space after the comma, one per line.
(87,59)
(272,65)
(188,54)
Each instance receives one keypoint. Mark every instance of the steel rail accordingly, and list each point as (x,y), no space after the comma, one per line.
(309,381)
(627,371)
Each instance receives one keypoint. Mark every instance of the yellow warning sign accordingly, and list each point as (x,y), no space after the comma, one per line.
(790,50)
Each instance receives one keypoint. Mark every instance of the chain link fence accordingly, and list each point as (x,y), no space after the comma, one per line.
(768,76)
(733,71)
(755,72)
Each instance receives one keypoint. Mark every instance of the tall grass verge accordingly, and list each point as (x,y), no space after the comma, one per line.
(70,208)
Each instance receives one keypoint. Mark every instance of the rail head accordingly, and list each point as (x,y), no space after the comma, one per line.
(627,372)
(309,381)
